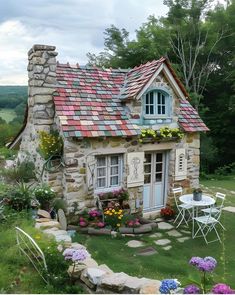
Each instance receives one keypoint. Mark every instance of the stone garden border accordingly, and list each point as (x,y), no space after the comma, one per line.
(99,278)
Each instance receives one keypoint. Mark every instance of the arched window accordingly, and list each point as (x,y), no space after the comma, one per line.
(156,104)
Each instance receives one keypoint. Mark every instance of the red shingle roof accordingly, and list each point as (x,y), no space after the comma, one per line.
(189,118)
(89,101)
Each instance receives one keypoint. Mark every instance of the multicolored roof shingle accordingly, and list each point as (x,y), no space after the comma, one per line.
(89,101)
(189,118)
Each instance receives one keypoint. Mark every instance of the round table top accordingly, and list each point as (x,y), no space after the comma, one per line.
(205,201)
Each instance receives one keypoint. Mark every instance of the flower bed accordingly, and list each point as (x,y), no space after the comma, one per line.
(163,134)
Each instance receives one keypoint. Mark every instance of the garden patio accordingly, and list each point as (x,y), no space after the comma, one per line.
(169,261)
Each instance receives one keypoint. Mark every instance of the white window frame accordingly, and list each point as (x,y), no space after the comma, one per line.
(108,175)
(157,94)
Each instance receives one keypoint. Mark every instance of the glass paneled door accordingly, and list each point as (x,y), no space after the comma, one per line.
(154,180)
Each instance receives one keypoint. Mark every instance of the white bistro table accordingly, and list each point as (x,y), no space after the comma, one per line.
(205,201)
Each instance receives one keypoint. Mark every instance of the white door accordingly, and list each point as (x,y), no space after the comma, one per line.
(154,180)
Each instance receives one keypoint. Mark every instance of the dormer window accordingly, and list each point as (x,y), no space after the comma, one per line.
(156,104)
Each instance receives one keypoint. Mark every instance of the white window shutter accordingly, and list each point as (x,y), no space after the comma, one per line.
(180,164)
(135,162)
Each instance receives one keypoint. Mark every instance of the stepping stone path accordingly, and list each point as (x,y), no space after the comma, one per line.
(165,226)
(162,242)
(156,235)
(174,233)
(229,209)
(147,251)
(183,239)
(167,248)
(186,231)
(135,244)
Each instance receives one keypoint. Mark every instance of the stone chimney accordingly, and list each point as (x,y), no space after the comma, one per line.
(42,82)
(41,86)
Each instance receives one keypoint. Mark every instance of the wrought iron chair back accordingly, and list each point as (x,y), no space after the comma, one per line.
(32,251)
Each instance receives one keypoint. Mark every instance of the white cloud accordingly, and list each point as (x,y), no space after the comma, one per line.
(75,27)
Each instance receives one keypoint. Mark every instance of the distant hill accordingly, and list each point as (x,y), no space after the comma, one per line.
(12,96)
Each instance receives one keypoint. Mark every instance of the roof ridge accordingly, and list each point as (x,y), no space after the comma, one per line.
(90,67)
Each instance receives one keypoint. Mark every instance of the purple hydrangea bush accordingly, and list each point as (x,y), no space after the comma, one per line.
(206,266)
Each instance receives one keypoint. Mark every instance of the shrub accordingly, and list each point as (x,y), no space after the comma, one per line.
(7,153)
(22,172)
(44,194)
(20,197)
(113,217)
(167,213)
(59,203)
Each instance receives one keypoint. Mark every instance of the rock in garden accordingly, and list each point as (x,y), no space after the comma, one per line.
(48,224)
(165,225)
(144,220)
(42,219)
(94,275)
(62,219)
(156,235)
(167,248)
(102,231)
(147,251)
(143,229)
(43,213)
(135,244)
(114,282)
(126,230)
(174,233)
(183,239)
(162,242)
(150,287)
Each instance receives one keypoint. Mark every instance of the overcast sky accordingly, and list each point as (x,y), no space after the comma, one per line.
(75,27)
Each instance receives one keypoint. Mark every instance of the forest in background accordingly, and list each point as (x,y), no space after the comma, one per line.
(199,41)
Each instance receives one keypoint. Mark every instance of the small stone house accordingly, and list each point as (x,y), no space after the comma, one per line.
(100,113)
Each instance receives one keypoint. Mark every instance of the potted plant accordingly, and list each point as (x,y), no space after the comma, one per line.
(167,213)
(197,194)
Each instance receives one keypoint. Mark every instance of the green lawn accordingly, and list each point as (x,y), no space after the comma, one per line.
(172,263)
(7,114)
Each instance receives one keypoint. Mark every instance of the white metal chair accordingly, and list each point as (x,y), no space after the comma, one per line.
(206,224)
(217,207)
(182,208)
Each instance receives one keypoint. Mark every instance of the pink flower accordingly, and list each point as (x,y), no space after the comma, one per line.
(82,223)
(100,224)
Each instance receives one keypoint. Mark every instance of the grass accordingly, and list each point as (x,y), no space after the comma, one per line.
(7,114)
(16,274)
(173,263)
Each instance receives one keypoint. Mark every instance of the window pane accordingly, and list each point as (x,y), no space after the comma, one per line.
(163,110)
(159,110)
(114,170)
(159,98)
(163,99)
(147,168)
(114,180)
(158,167)
(151,110)
(151,97)
(114,160)
(147,98)
(147,178)
(158,157)
(148,158)
(101,172)
(101,161)
(147,110)
(158,177)
(101,182)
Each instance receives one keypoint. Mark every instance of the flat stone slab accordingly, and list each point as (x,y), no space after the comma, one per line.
(135,244)
(48,224)
(167,248)
(159,219)
(229,209)
(186,231)
(156,235)
(165,225)
(44,213)
(147,251)
(162,242)
(174,233)
(183,239)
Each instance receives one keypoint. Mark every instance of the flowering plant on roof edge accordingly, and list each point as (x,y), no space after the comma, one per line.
(163,134)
